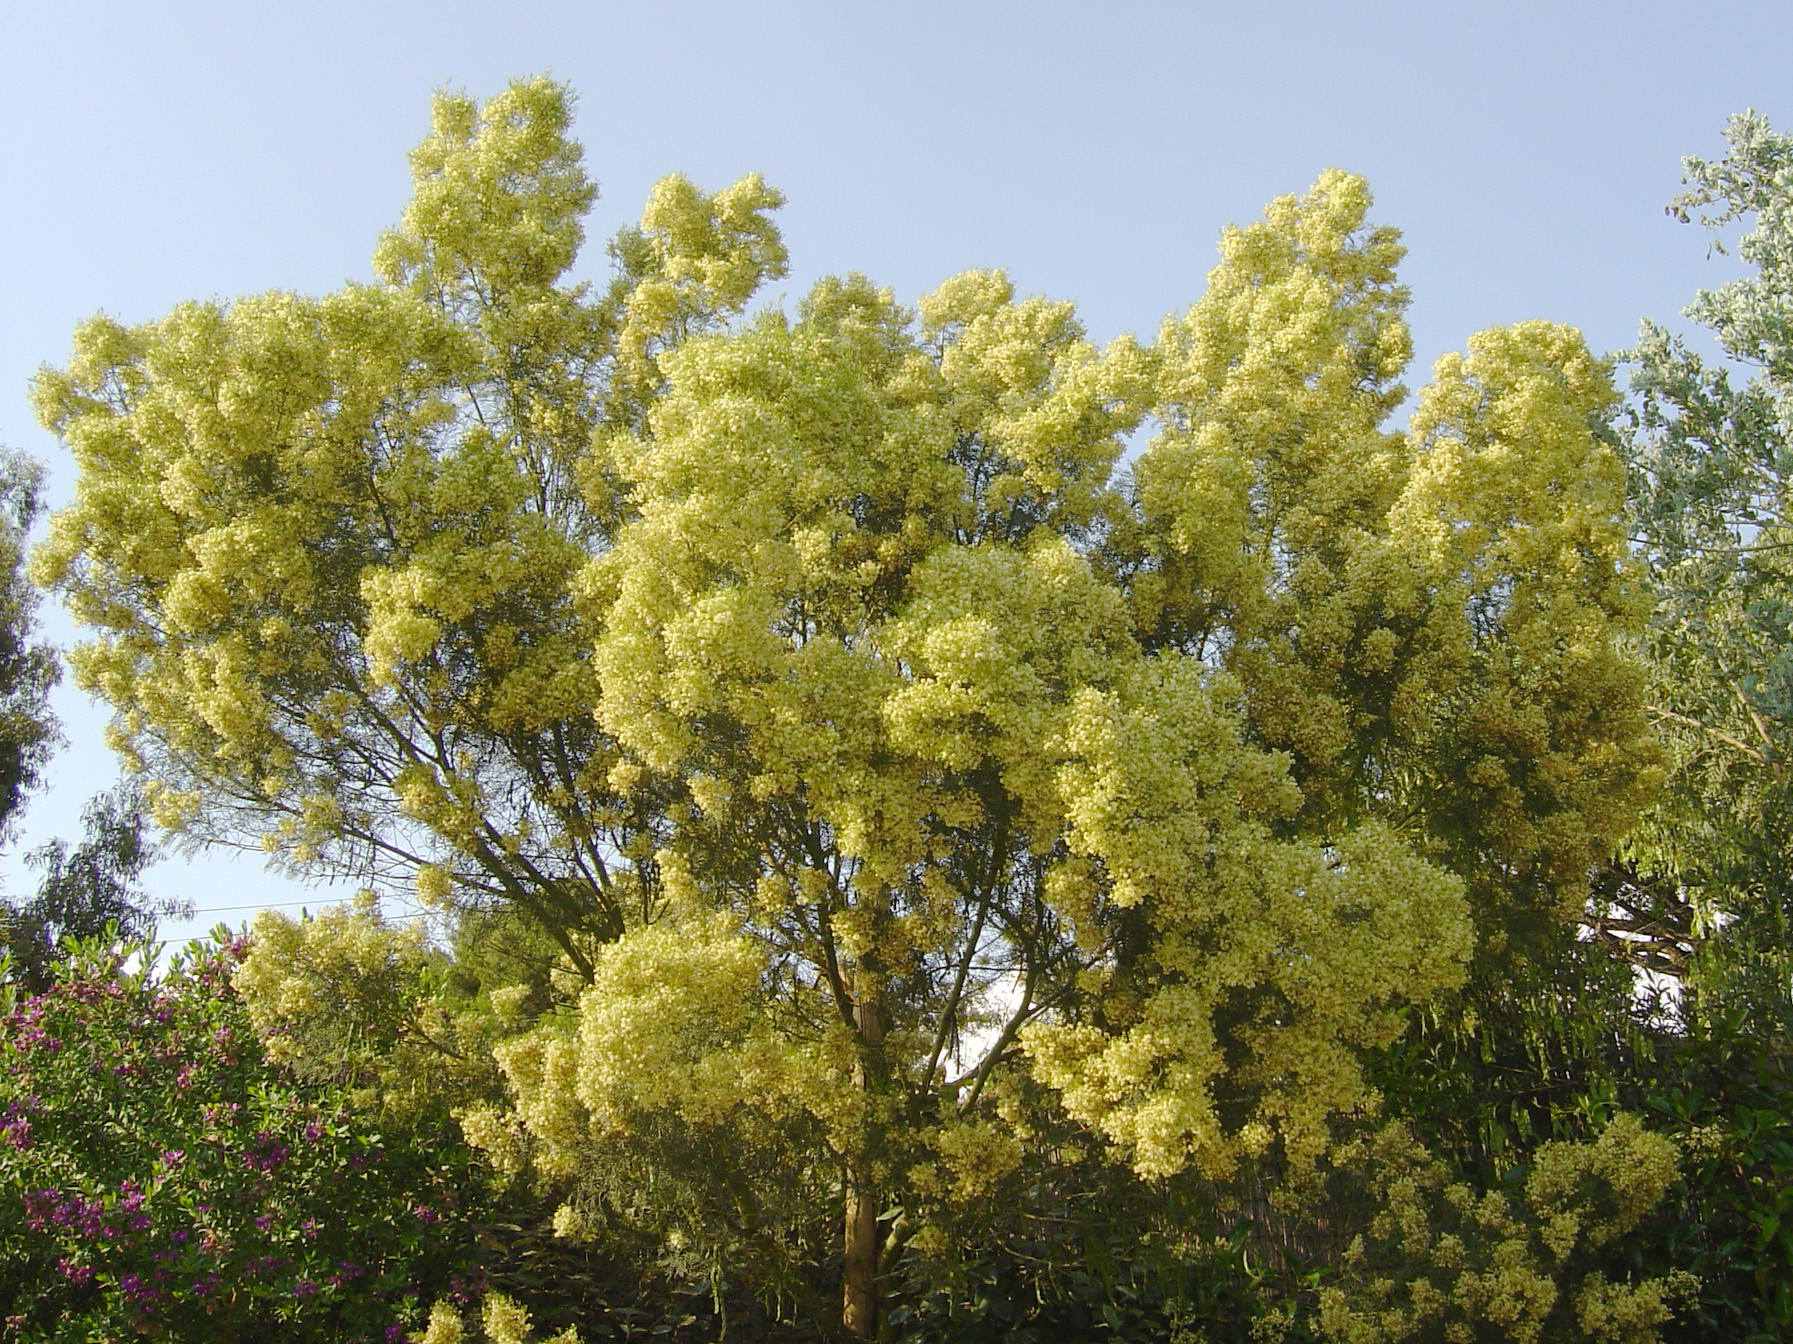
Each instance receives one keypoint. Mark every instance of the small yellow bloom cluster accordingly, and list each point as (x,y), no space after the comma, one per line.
(346,994)
(977,1156)
(670,1023)
(502,1321)
(1440,1262)
(499,1135)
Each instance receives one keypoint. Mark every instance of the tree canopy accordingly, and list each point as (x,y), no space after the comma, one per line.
(881,707)
(1707,442)
(28,666)
(84,890)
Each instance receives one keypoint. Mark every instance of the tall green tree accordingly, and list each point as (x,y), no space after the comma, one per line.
(92,885)
(1712,503)
(871,742)
(84,889)
(87,891)
(28,666)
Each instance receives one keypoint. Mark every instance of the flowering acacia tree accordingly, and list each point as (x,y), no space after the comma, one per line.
(331,541)
(865,731)
(158,1176)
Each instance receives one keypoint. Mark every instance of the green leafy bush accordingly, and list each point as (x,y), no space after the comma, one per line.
(1727,1094)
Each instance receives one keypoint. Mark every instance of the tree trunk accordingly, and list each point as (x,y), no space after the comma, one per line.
(859,1275)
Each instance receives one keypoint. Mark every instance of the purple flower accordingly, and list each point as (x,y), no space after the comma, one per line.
(79,1275)
(304,1288)
(267,1154)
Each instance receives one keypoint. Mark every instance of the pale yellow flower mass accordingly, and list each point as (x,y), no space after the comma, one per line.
(863,722)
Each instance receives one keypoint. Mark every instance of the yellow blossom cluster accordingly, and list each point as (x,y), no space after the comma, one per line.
(502,1320)
(1442,1262)
(671,1022)
(344,994)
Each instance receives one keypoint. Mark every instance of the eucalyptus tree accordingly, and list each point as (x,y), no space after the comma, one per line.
(1712,497)
(28,665)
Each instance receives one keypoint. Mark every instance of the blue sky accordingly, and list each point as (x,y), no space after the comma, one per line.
(155,153)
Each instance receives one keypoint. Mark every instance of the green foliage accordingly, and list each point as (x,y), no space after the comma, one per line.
(66,903)
(501,947)
(1710,872)
(1072,1246)
(1546,1053)
(1726,1095)
(85,892)
(159,1176)
(1711,482)
(28,669)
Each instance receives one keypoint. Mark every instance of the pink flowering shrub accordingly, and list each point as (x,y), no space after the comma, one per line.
(159,1177)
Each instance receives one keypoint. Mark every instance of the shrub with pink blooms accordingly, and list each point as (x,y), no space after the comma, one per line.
(158,1176)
